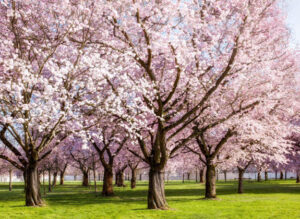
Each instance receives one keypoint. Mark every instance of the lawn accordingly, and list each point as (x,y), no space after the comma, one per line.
(271,199)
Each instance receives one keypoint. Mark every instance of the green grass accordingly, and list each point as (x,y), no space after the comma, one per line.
(272,199)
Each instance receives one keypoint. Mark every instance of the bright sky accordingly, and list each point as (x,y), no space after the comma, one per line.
(293,11)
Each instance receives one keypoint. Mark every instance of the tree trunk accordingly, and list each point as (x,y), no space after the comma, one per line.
(141,177)
(225,176)
(266,176)
(32,189)
(120,178)
(85,178)
(44,188)
(107,189)
(62,178)
(89,176)
(276,174)
(183,178)
(298,177)
(241,176)
(49,181)
(95,180)
(210,184)
(10,180)
(188,176)
(54,178)
(133,178)
(259,176)
(116,178)
(285,175)
(202,176)
(281,175)
(156,190)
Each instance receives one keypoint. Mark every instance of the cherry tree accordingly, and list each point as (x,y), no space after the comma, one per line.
(190,52)
(40,73)
(133,163)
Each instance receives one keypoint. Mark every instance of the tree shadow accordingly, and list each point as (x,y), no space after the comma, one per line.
(76,195)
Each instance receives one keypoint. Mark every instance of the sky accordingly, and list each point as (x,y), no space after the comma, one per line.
(293,20)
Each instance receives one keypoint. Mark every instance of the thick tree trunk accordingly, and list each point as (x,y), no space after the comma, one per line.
(202,176)
(156,190)
(107,189)
(85,178)
(133,178)
(298,177)
(54,178)
(188,176)
(210,184)
(266,176)
(32,189)
(281,175)
(49,181)
(241,176)
(10,180)
(62,178)
(259,176)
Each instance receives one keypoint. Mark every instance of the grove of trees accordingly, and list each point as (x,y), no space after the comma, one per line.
(107,86)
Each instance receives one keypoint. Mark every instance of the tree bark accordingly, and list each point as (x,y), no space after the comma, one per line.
(85,178)
(54,178)
(156,190)
(298,177)
(62,178)
(32,186)
(107,189)
(188,176)
(266,176)
(241,176)
(225,175)
(202,176)
(133,178)
(259,176)
(281,175)
(10,180)
(210,184)
(120,178)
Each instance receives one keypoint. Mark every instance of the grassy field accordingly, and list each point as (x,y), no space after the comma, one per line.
(272,199)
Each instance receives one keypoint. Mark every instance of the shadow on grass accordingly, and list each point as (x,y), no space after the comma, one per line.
(76,195)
